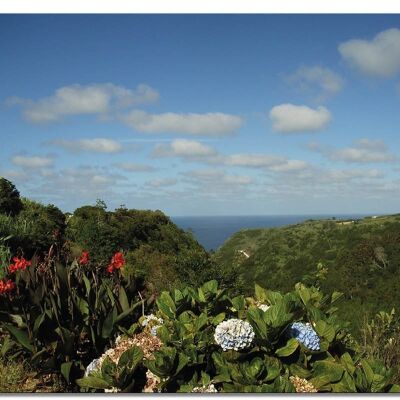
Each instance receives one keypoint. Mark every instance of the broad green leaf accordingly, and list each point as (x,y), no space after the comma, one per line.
(325,330)
(38,322)
(108,323)
(66,369)
(18,320)
(331,369)
(131,357)
(123,299)
(290,347)
(21,337)
(210,287)
(218,318)
(87,284)
(239,303)
(93,382)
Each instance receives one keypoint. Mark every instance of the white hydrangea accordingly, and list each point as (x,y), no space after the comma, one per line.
(153,322)
(263,307)
(205,389)
(112,390)
(95,365)
(234,334)
(151,317)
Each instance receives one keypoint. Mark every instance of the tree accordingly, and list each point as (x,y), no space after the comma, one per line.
(10,202)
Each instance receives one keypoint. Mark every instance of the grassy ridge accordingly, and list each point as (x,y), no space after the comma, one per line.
(362,257)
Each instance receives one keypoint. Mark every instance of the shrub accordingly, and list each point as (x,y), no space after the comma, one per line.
(61,316)
(10,202)
(214,342)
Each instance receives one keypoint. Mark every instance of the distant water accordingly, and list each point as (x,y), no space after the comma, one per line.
(212,232)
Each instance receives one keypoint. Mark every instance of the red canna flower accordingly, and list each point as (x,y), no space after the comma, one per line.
(84,260)
(19,264)
(6,286)
(117,262)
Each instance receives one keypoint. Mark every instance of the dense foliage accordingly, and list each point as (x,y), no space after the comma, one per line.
(362,260)
(212,342)
(10,202)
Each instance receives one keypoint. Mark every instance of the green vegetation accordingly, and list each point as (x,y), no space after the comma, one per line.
(75,290)
(267,357)
(362,260)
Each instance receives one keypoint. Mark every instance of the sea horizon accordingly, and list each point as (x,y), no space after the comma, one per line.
(213,230)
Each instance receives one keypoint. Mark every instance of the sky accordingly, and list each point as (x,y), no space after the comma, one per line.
(203,114)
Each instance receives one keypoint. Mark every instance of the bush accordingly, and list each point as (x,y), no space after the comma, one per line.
(63,315)
(10,202)
(269,343)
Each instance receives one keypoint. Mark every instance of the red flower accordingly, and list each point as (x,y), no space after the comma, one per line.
(117,262)
(6,286)
(84,260)
(19,264)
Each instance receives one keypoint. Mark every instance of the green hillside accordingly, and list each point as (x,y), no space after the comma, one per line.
(362,258)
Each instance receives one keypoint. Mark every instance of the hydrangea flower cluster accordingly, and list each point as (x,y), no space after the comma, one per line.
(205,389)
(234,334)
(305,334)
(95,365)
(153,325)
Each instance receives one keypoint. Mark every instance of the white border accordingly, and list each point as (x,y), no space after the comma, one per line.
(200,6)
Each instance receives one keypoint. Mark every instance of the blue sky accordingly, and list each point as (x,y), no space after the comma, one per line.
(203,114)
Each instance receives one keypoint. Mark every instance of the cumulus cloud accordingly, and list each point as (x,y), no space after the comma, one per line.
(164,182)
(378,57)
(209,124)
(252,160)
(290,118)
(95,99)
(96,145)
(320,80)
(32,162)
(183,148)
(363,151)
(134,167)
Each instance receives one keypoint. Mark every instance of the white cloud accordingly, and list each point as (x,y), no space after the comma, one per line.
(252,160)
(290,166)
(209,124)
(290,118)
(134,167)
(32,162)
(322,80)
(96,145)
(183,148)
(164,182)
(363,151)
(77,100)
(379,56)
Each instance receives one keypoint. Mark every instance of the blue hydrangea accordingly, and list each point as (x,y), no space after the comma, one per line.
(305,334)
(234,334)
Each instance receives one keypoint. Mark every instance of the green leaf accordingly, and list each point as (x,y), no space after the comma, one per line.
(21,337)
(336,296)
(123,299)
(331,369)
(131,358)
(127,312)
(299,371)
(93,382)
(18,320)
(291,346)
(108,323)
(218,318)
(87,285)
(394,389)
(201,321)
(348,363)
(325,330)
(166,305)
(66,369)
(239,303)
(210,287)
(38,322)
(83,306)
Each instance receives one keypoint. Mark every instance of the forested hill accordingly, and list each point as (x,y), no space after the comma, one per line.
(362,258)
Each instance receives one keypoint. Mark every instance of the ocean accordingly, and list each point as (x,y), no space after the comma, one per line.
(211,232)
